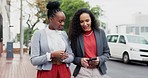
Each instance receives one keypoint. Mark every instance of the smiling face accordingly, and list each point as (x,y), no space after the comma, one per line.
(57,22)
(85,21)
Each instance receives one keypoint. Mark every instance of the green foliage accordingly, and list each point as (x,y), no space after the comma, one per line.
(103,25)
(97,11)
(27,32)
(18,36)
(69,7)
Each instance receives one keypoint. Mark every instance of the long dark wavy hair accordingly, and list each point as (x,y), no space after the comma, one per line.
(75,28)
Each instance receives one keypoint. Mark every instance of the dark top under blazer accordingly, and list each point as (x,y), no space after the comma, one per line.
(103,51)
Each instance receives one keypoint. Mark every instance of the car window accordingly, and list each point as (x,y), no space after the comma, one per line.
(136,39)
(121,39)
(112,38)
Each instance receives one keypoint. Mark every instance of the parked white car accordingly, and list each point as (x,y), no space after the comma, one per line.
(128,47)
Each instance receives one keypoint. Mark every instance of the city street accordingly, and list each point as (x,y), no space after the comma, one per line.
(117,69)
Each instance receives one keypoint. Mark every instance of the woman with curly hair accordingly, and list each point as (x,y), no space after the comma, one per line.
(89,45)
(50,50)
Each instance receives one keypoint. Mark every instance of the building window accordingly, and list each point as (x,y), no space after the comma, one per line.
(144,29)
(134,30)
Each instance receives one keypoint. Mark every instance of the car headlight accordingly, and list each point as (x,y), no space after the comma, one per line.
(134,49)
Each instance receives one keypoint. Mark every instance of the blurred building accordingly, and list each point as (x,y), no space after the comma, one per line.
(4,23)
(140,18)
(139,26)
(133,29)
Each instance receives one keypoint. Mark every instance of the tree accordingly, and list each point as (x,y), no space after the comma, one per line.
(29,29)
(42,11)
(98,12)
(39,12)
(34,17)
(26,29)
(69,7)
(26,35)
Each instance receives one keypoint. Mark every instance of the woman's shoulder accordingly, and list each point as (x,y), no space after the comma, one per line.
(38,32)
(64,34)
(99,30)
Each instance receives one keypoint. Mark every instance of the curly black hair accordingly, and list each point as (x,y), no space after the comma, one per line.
(75,28)
(53,7)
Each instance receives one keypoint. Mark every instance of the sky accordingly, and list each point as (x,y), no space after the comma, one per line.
(120,11)
(115,12)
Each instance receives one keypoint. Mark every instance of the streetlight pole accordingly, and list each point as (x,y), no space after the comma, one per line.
(21,31)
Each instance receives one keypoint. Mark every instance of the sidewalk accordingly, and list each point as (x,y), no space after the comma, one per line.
(16,67)
(21,68)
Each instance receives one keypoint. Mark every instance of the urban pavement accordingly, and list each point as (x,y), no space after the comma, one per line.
(16,67)
(20,67)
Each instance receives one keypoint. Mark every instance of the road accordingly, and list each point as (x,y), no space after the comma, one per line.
(117,69)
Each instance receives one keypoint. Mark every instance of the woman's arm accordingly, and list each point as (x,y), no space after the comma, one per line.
(36,57)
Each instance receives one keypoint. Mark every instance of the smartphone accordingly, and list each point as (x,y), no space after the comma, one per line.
(91,59)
